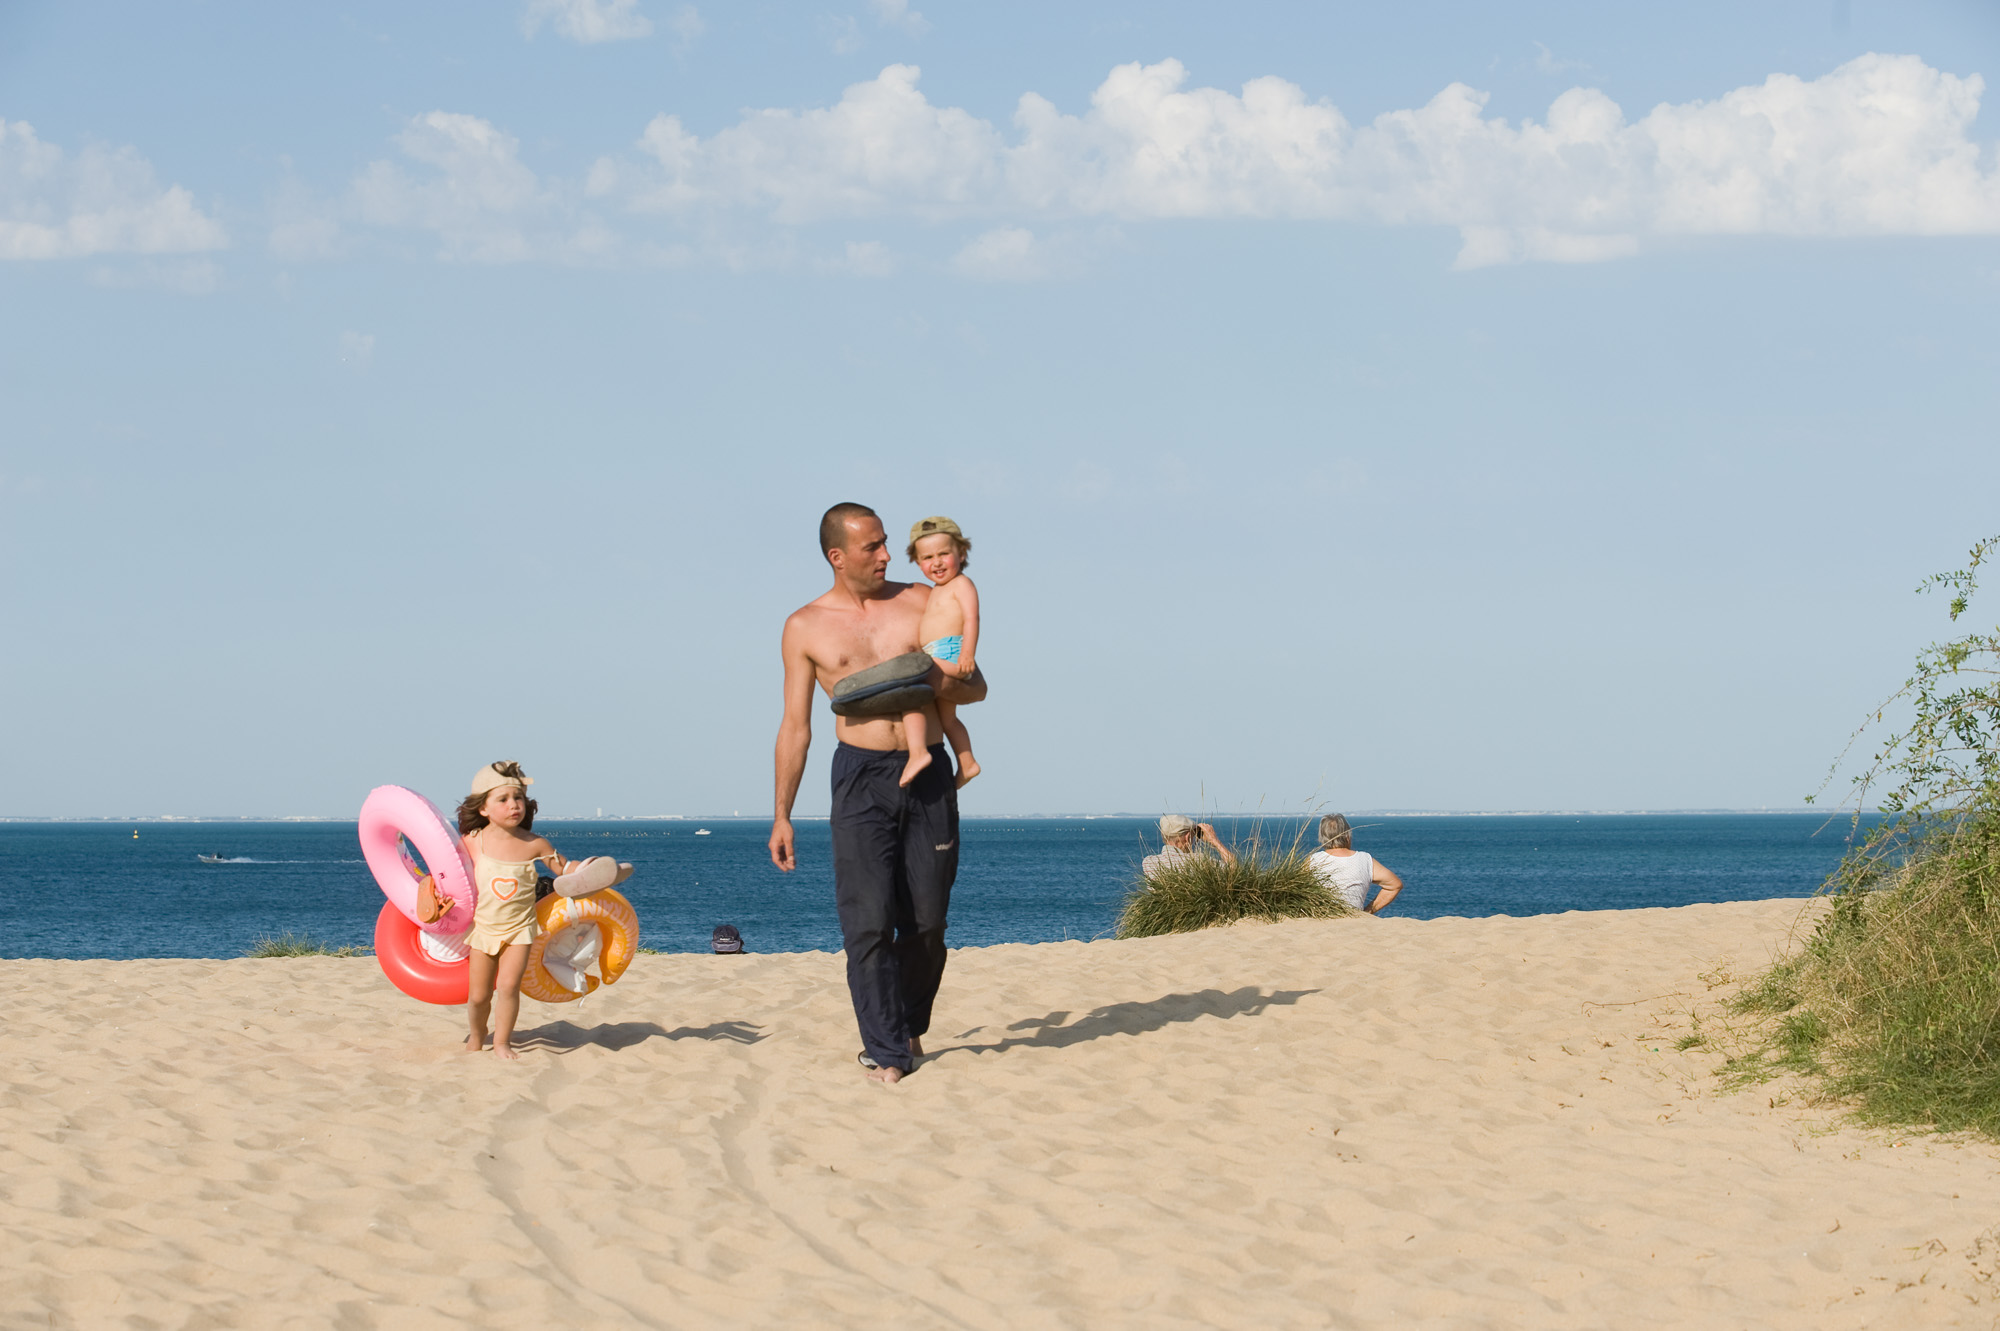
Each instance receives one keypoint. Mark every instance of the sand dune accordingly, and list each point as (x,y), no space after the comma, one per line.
(1469,1123)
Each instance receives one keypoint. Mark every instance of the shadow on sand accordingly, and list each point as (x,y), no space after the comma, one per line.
(1055,1032)
(562,1036)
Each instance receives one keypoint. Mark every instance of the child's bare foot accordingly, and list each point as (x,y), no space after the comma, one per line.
(475,1042)
(504,1051)
(968,767)
(919,760)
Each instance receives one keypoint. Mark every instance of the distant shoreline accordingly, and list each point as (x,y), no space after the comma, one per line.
(171,819)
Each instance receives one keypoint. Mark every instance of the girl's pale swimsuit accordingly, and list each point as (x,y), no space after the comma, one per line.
(945,649)
(505,911)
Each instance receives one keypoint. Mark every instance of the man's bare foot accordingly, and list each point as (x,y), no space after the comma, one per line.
(504,1051)
(968,767)
(475,1042)
(887,1076)
(919,760)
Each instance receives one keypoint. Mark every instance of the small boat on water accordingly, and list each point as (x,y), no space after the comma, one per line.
(213,859)
(701,831)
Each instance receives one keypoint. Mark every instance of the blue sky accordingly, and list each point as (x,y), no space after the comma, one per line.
(1425,406)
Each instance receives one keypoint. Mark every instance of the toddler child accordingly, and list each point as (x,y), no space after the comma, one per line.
(496,823)
(950,633)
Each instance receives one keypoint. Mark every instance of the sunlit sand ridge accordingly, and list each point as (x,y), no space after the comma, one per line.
(1351,1122)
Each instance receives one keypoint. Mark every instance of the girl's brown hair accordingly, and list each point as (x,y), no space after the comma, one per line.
(472,809)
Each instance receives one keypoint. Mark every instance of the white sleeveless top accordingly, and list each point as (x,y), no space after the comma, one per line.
(1348,875)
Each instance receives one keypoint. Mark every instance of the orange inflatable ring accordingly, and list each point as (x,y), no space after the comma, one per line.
(566,922)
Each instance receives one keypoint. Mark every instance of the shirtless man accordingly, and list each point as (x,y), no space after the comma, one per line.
(895,848)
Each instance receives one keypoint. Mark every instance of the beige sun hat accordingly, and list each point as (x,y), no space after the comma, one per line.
(1173,824)
(934,527)
(489,778)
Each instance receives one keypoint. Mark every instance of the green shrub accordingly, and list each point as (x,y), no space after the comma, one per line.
(289,944)
(1202,892)
(1894,1000)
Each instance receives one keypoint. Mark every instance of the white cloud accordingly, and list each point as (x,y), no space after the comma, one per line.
(1006,253)
(882,149)
(187,277)
(1879,146)
(843,34)
(55,205)
(484,204)
(898,14)
(686,25)
(590,21)
(865,258)
(1547,62)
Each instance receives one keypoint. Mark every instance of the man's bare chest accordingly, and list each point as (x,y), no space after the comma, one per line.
(846,645)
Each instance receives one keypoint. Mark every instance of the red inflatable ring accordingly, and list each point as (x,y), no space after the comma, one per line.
(400,950)
(426,961)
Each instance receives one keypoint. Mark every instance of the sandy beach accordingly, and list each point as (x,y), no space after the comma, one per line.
(1465,1123)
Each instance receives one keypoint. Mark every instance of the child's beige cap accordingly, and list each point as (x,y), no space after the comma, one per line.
(934,527)
(489,778)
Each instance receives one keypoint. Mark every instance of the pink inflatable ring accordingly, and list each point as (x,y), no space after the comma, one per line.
(425,961)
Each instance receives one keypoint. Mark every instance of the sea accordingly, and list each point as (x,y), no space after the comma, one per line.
(125,890)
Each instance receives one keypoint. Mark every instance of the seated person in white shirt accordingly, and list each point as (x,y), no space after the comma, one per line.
(1185,839)
(1349,871)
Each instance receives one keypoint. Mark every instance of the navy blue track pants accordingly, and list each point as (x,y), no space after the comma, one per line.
(895,857)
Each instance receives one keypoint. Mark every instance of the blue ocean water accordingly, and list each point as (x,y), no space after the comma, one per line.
(94,890)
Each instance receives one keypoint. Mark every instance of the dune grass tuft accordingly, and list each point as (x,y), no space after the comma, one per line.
(289,944)
(1894,1001)
(1204,892)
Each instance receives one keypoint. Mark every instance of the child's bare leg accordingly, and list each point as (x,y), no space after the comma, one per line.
(960,741)
(479,997)
(916,731)
(507,998)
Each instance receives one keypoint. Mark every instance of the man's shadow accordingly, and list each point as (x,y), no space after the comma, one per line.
(1053,1032)
(562,1037)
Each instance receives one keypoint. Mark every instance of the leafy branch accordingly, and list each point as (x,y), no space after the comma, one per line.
(1945,763)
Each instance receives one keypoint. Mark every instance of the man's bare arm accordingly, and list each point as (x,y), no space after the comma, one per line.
(794,739)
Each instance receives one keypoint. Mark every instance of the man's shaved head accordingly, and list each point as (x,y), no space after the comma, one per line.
(833,527)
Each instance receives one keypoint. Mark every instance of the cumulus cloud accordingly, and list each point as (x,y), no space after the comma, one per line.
(686,25)
(591,21)
(882,149)
(898,14)
(484,204)
(98,201)
(1878,146)
(1005,254)
(864,258)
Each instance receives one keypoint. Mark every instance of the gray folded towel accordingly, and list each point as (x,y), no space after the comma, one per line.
(899,684)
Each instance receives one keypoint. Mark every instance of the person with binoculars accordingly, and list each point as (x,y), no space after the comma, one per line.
(1185,838)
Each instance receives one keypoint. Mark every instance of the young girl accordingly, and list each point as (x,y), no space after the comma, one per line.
(950,633)
(496,821)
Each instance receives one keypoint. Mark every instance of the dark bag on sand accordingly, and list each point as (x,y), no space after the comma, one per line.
(900,684)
